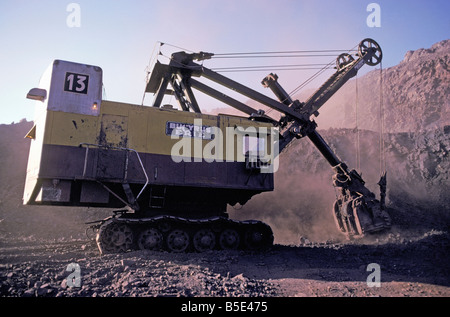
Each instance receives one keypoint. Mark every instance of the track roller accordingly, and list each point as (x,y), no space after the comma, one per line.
(150,239)
(176,234)
(229,239)
(178,240)
(204,240)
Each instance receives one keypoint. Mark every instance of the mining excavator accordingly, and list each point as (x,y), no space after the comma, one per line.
(170,174)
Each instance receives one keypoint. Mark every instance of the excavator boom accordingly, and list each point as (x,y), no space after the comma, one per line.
(356,210)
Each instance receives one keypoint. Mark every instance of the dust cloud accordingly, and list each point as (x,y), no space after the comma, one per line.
(417,166)
(301,205)
(33,222)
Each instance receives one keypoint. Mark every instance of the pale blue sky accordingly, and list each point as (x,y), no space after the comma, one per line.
(119,36)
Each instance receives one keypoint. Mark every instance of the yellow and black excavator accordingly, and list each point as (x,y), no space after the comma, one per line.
(169,174)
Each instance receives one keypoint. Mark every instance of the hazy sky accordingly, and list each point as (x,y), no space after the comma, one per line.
(119,36)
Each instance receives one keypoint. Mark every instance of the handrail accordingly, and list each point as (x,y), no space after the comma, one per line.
(126,167)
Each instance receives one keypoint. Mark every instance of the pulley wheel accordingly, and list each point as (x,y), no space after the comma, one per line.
(204,240)
(369,45)
(150,239)
(343,60)
(178,240)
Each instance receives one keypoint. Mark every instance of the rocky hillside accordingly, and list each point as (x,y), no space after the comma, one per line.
(414,95)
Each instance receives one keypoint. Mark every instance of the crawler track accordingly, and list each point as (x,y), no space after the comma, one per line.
(176,234)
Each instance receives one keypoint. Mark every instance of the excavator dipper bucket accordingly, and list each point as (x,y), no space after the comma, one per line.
(357,217)
(356,211)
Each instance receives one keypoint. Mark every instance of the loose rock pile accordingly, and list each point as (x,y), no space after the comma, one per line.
(132,274)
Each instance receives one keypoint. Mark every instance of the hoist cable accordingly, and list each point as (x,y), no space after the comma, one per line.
(264,69)
(273,56)
(358,148)
(151,63)
(174,46)
(225,55)
(306,82)
(268,69)
(381,110)
(310,79)
(266,66)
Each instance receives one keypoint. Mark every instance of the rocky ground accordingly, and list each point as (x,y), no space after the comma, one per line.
(411,264)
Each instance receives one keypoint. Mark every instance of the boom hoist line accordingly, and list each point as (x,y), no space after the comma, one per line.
(356,210)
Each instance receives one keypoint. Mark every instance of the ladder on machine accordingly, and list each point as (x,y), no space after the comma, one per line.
(157,197)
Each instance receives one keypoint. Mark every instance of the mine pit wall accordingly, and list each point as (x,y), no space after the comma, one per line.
(418,179)
(417,163)
(420,164)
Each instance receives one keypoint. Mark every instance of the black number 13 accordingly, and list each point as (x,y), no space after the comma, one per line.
(76,83)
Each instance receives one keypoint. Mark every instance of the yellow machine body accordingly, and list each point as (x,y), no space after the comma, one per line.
(84,149)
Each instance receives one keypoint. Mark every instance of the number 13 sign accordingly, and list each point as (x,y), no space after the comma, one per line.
(77,83)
